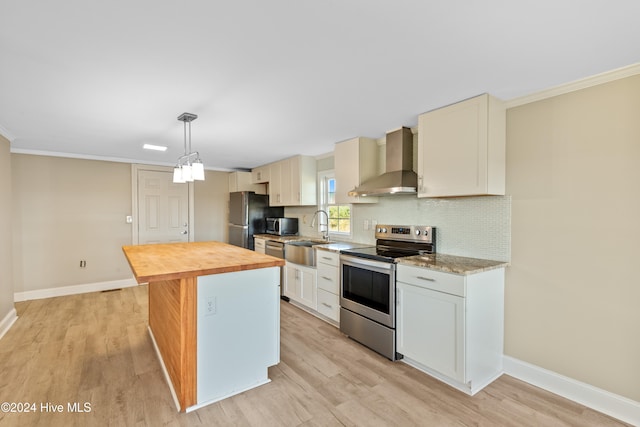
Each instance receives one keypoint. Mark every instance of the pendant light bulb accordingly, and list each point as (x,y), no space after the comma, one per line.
(177,175)
(186,173)
(197,170)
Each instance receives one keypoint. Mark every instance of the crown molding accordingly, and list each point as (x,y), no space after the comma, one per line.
(598,79)
(4,132)
(101,158)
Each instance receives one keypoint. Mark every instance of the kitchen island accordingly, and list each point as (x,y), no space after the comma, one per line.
(214,316)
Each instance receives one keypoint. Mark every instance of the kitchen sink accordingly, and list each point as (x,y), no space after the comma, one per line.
(305,243)
(301,252)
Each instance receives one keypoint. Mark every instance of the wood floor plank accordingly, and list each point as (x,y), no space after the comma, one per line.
(95,348)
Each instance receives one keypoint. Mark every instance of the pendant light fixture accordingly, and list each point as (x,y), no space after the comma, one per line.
(189,167)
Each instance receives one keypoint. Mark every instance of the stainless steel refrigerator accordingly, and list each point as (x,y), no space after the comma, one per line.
(247,213)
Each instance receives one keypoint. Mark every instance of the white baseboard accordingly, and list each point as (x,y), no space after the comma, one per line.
(72,290)
(616,406)
(8,321)
(164,370)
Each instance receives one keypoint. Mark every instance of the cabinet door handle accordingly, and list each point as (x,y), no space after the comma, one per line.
(327,278)
(327,305)
(327,258)
(426,278)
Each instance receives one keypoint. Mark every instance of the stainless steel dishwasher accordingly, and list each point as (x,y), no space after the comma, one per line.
(276,249)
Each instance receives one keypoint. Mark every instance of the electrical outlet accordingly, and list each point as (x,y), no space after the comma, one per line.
(211,307)
(83,263)
(366,224)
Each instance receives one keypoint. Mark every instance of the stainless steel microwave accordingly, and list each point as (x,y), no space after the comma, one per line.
(282,226)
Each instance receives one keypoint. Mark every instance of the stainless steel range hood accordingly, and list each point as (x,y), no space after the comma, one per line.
(399,177)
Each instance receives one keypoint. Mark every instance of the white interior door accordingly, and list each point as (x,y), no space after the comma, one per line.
(163,208)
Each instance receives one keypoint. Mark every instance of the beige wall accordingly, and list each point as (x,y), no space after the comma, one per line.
(211,198)
(572,291)
(67,210)
(6,280)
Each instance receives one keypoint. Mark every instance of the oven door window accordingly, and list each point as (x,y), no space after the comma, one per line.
(366,287)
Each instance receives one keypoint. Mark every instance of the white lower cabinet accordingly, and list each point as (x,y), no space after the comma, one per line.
(431,329)
(451,326)
(300,284)
(329,305)
(329,284)
(316,288)
(259,245)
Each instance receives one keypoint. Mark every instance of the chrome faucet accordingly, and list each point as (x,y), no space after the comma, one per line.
(325,233)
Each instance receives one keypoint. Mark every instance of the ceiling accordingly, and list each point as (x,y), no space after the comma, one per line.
(270,79)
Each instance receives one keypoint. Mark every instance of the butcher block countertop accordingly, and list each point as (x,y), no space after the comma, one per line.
(168,261)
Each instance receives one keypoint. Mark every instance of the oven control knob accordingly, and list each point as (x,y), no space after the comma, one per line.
(417,232)
(379,230)
(384,230)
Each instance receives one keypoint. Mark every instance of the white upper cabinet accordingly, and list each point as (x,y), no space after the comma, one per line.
(461,149)
(260,175)
(355,161)
(292,182)
(241,181)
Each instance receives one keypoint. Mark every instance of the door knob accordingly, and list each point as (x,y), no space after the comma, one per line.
(184,232)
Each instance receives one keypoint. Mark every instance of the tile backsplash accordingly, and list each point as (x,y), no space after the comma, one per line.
(477,227)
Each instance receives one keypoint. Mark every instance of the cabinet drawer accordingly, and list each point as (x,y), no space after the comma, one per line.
(328,257)
(329,278)
(453,284)
(329,305)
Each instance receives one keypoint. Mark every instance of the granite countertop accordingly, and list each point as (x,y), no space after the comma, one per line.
(282,239)
(338,246)
(332,245)
(452,263)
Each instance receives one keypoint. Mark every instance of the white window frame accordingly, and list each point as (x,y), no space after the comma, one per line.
(323,177)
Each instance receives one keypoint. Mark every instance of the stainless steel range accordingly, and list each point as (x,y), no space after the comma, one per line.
(368,284)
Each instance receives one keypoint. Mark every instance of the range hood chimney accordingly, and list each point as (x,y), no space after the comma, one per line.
(399,177)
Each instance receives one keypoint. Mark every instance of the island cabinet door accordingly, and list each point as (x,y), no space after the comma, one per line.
(238,331)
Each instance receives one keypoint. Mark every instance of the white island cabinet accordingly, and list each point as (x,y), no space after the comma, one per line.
(451,326)
(214,316)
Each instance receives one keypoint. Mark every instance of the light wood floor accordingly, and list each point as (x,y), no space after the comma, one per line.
(95,348)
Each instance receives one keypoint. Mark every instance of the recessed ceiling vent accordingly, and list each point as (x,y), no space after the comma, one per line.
(399,177)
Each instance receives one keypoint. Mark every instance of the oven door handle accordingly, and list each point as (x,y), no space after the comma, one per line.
(364,262)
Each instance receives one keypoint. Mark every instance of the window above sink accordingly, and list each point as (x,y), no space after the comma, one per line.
(339,214)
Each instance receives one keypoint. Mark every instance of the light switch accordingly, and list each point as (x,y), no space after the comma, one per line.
(129,219)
